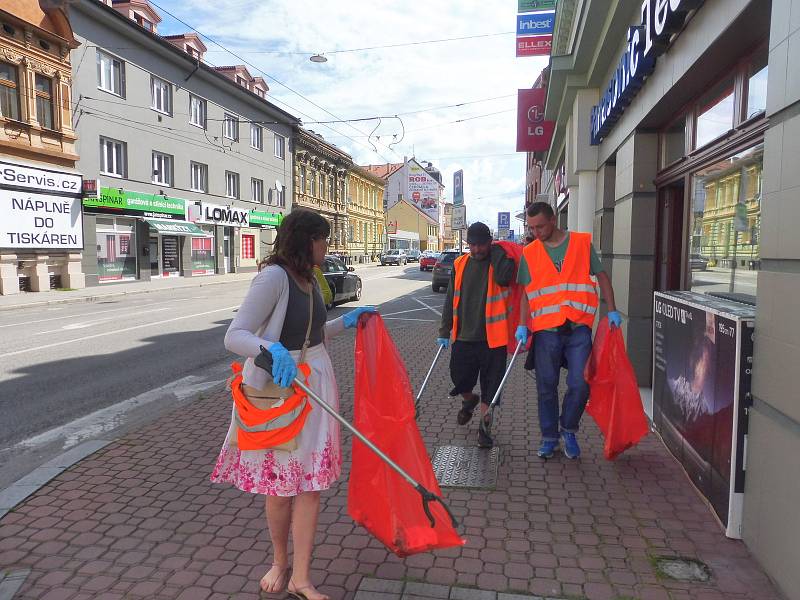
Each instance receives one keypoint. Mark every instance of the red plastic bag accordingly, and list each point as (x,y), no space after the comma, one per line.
(514,251)
(614,399)
(378,498)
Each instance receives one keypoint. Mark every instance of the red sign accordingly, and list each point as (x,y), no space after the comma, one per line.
(539,45)
(533,132)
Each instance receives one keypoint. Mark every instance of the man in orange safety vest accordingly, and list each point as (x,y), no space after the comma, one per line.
(474,318)
(558,270)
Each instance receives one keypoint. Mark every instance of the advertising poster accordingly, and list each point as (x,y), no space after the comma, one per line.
(534,133)
(170,255)
(695,392)
(540,45)
(40,221)
(423,190)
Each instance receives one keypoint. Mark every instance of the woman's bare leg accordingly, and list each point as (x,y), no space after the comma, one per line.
(304,528)
(279,517)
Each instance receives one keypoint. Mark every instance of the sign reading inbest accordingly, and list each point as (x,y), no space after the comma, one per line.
(40,221)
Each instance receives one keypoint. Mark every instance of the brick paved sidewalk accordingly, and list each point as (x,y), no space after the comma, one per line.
(139,518)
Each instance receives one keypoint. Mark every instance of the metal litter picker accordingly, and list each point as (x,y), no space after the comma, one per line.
(427,377)
(264,361)
(488,419)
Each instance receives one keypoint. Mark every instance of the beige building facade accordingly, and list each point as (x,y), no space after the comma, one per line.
(365,215)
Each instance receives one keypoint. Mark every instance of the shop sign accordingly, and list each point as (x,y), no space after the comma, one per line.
(137,204)
(660,19)
(531,5)
(89,188)
(217,214)
(265,218)
(540,23)
(41,180)
(40,221)
(459,217)
(176,228)
(534,133)
(540,45)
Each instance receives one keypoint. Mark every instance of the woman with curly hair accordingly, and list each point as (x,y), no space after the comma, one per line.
(275,315)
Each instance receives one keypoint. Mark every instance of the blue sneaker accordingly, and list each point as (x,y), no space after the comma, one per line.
(571,447)
(547,448)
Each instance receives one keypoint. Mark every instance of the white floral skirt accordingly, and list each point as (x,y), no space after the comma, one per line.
(316,463)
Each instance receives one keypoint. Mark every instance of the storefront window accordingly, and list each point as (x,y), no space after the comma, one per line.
(715,113)
(116,249)
(203,262)
(248,246)
(726,225)
(757,85)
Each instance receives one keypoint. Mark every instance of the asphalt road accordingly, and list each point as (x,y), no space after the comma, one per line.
(75,372)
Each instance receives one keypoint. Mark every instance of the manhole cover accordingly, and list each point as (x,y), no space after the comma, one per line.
(472,467)
(683,569)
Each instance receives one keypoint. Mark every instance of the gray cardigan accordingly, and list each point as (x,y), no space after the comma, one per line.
(259,322)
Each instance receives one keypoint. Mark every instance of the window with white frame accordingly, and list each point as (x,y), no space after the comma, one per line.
(231,184)
(280,146)
(280,197)
(230,127)
(197,111)
(198,173)
(160,95)
(112,157)
(256,136)
(162,168)
(110,74)
(257,190)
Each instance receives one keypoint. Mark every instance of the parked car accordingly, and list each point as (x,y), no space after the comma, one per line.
(428,260)
(413,255)
(698,262)
(442,270)
(396,256)
(345,285)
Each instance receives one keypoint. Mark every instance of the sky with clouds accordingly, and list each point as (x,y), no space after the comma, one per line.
(275,38)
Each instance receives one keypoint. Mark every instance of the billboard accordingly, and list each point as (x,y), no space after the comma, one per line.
(702,363)
(422,190)
(533,131)
(540,23)
(540,45)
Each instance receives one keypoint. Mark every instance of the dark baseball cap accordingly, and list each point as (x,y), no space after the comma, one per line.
(478,233)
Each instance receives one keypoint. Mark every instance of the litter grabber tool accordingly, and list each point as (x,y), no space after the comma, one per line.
(264,361)
(487,420)
(428,376)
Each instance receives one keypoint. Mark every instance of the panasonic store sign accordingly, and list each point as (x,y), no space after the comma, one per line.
(659,20)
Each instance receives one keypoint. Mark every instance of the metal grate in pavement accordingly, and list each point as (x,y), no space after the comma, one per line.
(472,467)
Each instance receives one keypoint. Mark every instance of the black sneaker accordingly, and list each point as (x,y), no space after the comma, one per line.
(484,439)
(467,408)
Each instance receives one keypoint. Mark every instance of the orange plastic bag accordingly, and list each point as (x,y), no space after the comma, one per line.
(614,399)
(378,498)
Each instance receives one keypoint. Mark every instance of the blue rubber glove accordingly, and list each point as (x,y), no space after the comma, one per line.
(284,369)
(521,335)
(443,342)
(614,319)
(351,318)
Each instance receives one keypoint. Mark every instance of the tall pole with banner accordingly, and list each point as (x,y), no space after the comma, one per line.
(458,201)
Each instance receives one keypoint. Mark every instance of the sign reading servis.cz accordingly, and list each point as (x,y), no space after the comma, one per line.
(659,20)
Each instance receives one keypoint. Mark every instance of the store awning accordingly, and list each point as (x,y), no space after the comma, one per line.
(176,227)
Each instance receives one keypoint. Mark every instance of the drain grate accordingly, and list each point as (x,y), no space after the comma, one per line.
(683,569)
(472,467)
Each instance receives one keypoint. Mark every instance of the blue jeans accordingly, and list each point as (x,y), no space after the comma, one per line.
(551,349)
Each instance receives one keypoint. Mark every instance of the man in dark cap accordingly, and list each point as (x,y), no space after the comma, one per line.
(474,319)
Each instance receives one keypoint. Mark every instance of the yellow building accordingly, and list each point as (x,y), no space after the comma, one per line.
(410,228)
(365,216)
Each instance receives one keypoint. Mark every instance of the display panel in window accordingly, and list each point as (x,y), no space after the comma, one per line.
(725,229)
(203,261)
(9,91)
(248,246)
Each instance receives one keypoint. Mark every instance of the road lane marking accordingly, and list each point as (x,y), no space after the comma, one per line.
(402,312)
(409,319)
(99,312)
(428,306)
(111,417)
(86,324)
(116,331)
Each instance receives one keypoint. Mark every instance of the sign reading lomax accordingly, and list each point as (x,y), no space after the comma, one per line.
(660,19)
(216,214)
(40,221)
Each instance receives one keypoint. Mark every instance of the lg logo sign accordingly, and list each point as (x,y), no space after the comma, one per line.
(535,114)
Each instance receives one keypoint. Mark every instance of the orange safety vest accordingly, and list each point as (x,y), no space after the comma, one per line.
(555,297)
(497,306)
(260,429)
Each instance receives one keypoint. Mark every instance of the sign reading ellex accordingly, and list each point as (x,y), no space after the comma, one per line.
(659,20)
(540,45)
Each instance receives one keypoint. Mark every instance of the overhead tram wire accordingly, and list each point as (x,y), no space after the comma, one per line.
(279,83)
